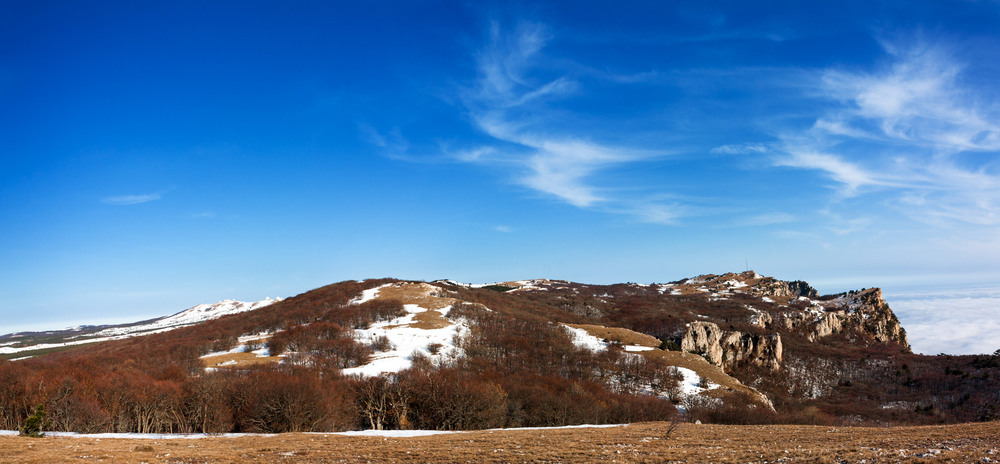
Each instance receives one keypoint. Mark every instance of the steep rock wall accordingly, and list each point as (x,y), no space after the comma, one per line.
(726,348)
(872,314)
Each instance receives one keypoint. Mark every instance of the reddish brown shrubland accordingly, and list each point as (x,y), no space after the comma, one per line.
(520,369)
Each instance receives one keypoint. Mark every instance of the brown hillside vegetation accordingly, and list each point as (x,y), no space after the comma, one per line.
(835,360)
(637,443)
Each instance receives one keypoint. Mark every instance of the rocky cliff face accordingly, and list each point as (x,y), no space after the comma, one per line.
(726,348)
(871,313)
(790,307)
(771,287)
(864,311)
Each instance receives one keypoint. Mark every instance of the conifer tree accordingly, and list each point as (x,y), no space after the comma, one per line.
(35,424)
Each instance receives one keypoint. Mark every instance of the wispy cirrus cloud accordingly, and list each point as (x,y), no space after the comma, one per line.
(740,149)
(915,131)
(851,176)
(127,200)
(919,100)
(510,102)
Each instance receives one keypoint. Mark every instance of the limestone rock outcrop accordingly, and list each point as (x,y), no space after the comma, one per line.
(771,287)
(871,313)
(864,311)
(726,348)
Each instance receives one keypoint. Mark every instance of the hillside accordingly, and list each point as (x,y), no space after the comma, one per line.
(27,344)
(731,348)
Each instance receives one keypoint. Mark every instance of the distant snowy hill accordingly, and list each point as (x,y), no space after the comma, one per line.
(26,344)
(190,316)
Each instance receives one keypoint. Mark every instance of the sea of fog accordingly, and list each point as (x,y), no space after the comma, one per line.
(949,320)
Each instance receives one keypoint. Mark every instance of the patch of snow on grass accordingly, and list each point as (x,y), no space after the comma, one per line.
(369,294)
(234,350)
(243,346)
(436,344)
(262,352)
(530,285)
(157,436)
(257,336)
(582,339)
(689,386)
(424,433)
(733,283)
(353,433)
(392,433)
(634,348)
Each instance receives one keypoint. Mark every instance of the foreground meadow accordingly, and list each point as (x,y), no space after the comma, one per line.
(644,442)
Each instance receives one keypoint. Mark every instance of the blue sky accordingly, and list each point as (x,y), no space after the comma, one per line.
(157,156)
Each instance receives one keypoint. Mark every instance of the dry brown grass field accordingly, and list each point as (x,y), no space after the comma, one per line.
(640,443)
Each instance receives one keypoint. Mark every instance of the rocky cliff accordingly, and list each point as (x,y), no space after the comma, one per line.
(869,311)
(725,348)
(793,308)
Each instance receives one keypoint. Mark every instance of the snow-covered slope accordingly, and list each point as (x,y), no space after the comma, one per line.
(190,316)
(26,345)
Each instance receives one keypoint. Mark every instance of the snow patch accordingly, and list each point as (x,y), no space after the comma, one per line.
(733,283)
(152,436)
(583,339)
(439,345)
(389,433)
(690,384)
(353,433)
(190,316)
(635,348)
(369,294)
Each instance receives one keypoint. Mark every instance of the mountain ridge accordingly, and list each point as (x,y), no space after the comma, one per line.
(390,353)
(24,343)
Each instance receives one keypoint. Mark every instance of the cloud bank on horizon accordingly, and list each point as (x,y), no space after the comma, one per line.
(845,144)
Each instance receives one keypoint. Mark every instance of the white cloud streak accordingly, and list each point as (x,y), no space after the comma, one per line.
(508,103)
(912,131)
(127,200)
(849,174)
(918,100)
(740,149)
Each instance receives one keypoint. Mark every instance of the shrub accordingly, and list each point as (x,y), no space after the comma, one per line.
(382,343)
